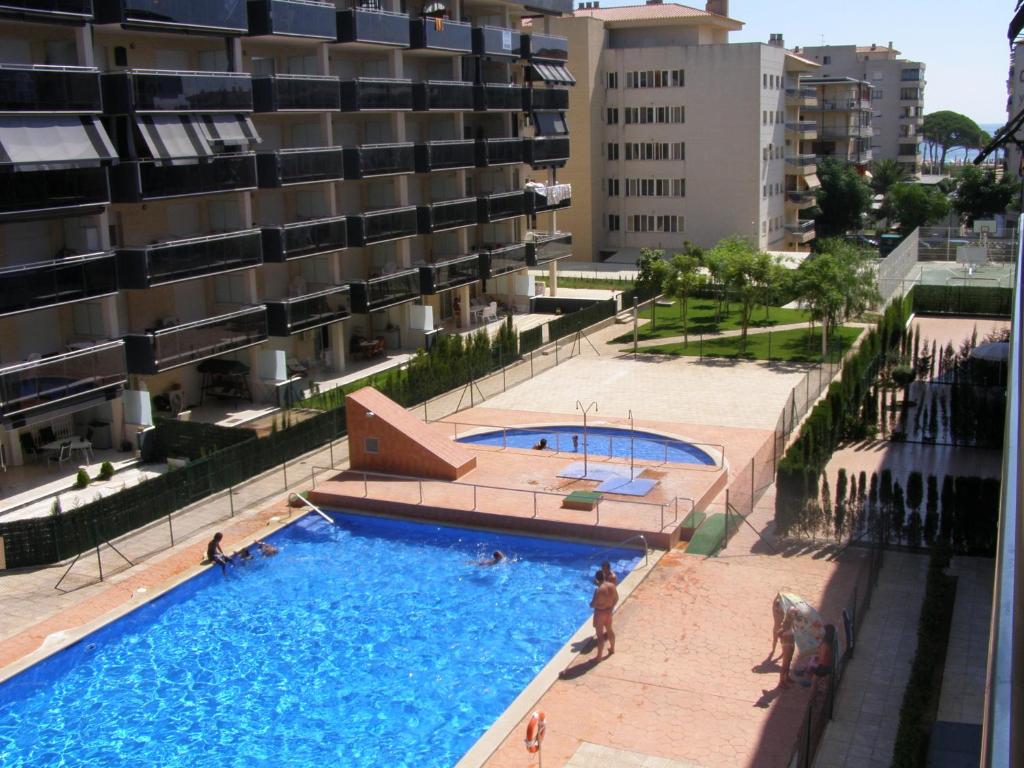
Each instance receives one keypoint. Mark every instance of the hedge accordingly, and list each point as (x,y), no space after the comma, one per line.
(577,321)
(962,300)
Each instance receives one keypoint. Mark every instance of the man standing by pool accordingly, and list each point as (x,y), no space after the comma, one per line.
(604,600)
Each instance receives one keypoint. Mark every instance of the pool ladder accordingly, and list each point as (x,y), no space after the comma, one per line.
(618,544)
(311,505)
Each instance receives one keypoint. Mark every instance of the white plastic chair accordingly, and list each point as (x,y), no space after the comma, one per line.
(490,312)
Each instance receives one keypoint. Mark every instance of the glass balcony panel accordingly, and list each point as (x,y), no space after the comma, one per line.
(296,93)
(293,18)
(448,214)
(77,10)
(163,91)
(49,89)
(550,99)
(140,180)
(547,151)
(300,166)
(27,192)
(548,246)
(228,16)
(499,261)
(34,385)
(503,152)
(439,95)
(502,205)
(43,284)
(305,238)
(175,260)
(301,313)
(454,36)
(497,41)
(366,94)
(496,97)
(373,27)
(390,224)
(379,160)
(385,291)
(440,155)
(450,273)
(546,47)
(539,201)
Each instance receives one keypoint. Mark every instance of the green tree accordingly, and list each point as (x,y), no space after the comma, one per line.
(979,194)
(946,130)
(745,271)
(682,278)
(914,205)
(885,174)
(650,277)
(842,199)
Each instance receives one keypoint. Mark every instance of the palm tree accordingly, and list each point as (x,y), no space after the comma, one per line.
(885,174)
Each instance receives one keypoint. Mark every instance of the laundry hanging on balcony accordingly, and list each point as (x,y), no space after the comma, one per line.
(552,74)
(553,193)
(53,142)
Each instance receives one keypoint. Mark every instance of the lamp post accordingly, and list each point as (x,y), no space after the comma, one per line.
(631,437)
(579,407)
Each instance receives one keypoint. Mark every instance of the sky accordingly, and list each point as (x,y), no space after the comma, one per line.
(963,44)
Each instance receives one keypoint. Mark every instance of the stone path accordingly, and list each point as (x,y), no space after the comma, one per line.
(963,682)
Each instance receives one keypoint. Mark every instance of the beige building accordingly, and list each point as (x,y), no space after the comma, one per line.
(897,95)
(1014,104)
(680,136)
(842,116)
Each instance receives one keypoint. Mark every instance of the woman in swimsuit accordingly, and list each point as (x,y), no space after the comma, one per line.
(788,641)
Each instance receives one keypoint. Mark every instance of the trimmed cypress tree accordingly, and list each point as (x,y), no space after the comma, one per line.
(899,512)
(948,503)
(825,522)
(862,494)
(839,522)
(931,515)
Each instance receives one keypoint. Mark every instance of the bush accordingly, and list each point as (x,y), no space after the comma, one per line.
(81,479)
(106,471)
(963,300)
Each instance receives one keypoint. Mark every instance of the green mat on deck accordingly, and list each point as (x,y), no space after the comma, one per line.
(707,539)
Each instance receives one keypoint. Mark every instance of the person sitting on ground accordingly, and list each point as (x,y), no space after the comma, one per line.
(496,558)
(541,444)
(267,550)
(215,554)
(609,574)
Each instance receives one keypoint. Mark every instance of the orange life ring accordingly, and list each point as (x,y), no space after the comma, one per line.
(535,732)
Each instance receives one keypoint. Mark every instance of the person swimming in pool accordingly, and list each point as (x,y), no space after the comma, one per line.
(496,558)
(267,550)
(541,444)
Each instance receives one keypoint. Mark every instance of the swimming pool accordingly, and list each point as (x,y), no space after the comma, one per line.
(371,642)
(601,441)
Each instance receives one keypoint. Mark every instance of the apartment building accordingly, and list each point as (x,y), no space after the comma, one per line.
(897,95)
(680,136)
(1014,104)
(200,199)
(842,118)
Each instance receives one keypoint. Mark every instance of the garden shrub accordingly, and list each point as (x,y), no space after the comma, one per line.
(82,479)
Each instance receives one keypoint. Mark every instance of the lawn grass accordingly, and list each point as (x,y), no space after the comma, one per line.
(795,346)
(701,319)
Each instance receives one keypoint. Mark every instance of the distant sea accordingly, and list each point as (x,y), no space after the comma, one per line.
(961,155)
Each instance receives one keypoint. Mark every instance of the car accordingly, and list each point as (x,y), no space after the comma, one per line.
(862,240)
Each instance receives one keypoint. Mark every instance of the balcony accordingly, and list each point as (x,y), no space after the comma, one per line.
(547,151)
(840,132)
(30,193)
(372,27)
(39,88)
(802,231)
(840,105)
(292,18)
(539,47)
(503,259)
(174,260)
(546,99)
(33,387)
(376,94)
(551,197)
(449,273)
(305,238)
(497,42)
(137,181)
(386,291)
(801,165)
(227,17)
(286,317)
(296,93)
(803,130)
(287,167)
(370,160)
(803,198)
(500,152)
(161,349)
(448,214)
(25,287)
(501,205)
(48,10)
(451,37)
(495,97)
(150,90)
(545,247)
(381,226)
(443,96)
(445,155)
(801,97)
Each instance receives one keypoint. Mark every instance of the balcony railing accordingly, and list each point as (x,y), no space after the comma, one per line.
(495,97)
(449,273)
(441,155)
(224,16)
(497,42)
(551,99)
(39,88)
(501,205)
(547,151)
(803,126)
(379,160)
(801,94)
(37,385)
(802,196)
(292,18)
(381,226)
(844,131)
(305,238)
(372,27)
(286,317)
(448,214)
(546,247)
(839,105)
(502,260)
(538,201)
(173,260)
(376,94)
(140,180)
(47,283)
(161,349)
(443,96)
(802,227)
(52,10)
(538,47)
(501,152)
(453,36)
(143,90)
(386,291)
(23,193)
(801,163)
(285,167)
(296,93)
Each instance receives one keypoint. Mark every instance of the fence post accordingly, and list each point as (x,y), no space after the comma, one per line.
(556,351)
(807,388)
(501,362)
(534,503)
(420,484)
(231,499)
(474,498)
(284,470)
(807,739)
(366,487)
(700,353)
(769,347)
(170,526)
(531,363)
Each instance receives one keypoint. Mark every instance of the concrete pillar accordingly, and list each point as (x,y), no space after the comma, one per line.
(553,277)
(116,423)
(463,294)
(84,49)
(234,47)
(339,345)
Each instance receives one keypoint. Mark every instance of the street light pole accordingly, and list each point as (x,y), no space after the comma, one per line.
(579,407)
(631,437)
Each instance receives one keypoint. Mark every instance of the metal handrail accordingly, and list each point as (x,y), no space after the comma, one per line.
(306,223)
(29,364)
(294,76)
(48,68)
(77,258)
(191,240)
(640,536)
(189,72)
(253,310)
(311,505)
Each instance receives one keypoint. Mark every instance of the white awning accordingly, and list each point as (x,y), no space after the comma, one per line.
(552,74)
(173,136)
(230,130)
(41,143)
(550,123)
(811,180)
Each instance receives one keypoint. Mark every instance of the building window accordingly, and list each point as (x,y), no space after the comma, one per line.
(613,187)
(678,187)
(613,116)
(613,151)
(827,60)
(678,78)
(613,222)
(613,79)
(371,445)
(679,150)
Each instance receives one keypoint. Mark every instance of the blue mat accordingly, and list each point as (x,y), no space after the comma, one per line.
(599,472)
(627,487)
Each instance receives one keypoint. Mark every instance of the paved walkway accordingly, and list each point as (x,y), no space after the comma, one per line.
(963,682)
(863,730)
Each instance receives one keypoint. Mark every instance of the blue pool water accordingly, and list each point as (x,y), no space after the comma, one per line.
(602,441)
(368,643)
